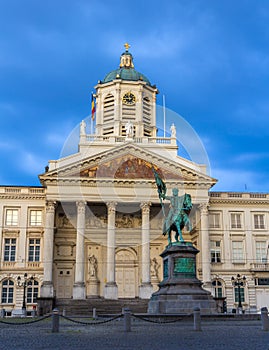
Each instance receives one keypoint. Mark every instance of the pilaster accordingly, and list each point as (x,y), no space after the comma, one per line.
(205,245)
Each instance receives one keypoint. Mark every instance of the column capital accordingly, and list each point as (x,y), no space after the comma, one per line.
(145,207)
(111,207)
(81,206)
(50,206)
(203,207)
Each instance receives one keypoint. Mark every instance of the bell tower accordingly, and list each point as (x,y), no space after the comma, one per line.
(126,99)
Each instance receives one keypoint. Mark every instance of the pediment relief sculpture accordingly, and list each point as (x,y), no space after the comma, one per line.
(126,167)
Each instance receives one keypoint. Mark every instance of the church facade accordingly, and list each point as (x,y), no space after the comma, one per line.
(94,226)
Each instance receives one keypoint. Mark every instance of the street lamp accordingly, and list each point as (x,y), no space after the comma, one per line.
(24,284)
(239,282)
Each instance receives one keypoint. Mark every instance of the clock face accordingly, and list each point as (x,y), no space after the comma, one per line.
(128,99)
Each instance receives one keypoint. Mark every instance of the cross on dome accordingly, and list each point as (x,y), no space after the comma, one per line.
(127,46)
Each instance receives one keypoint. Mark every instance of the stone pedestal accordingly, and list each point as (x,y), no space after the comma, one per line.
(79,291)
(180,291)
(111,291)
(93,285)
(145,290)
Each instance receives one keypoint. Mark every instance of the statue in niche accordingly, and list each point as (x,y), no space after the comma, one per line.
(129,128)
(93,265)
(154,268)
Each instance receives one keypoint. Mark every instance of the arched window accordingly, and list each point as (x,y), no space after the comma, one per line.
(32,291)
(218,289)
(7,292)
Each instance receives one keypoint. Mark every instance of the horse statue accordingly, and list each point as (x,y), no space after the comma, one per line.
(180,208)
(178,216)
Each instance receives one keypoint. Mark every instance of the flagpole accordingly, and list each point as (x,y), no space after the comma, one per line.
(164,117)
(91,126)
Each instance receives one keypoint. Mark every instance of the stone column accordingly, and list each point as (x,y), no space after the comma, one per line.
(145,289)
(111,289)
(79,285)
(47,285)
(205,246)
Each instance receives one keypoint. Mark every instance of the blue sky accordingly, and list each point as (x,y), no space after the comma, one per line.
(210,58)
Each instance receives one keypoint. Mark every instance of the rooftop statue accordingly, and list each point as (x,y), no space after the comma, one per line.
(178,215)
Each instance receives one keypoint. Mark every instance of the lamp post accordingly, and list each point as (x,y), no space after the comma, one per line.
(239,282)
(24,284)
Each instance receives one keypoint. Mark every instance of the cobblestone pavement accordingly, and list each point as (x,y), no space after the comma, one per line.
(228,335)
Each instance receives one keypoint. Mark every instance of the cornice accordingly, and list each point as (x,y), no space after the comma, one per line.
(22,196)
(243,201)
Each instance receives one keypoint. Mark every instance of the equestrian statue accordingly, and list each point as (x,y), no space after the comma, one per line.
(178,215)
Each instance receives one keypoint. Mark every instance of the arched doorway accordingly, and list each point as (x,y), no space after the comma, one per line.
(126,273)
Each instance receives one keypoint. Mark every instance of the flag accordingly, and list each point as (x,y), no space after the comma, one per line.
(93,107)
(160,184)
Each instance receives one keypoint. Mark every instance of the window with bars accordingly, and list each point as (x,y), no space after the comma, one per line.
(7,292)
(214,220)
(35,217)
(12,217)
(32,291)
(261,251)
(10,249)
(236,220)
(238,252)
(259,223)
(215,251)
(34,249)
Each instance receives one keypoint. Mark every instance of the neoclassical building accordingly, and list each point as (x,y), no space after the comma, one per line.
(94,226)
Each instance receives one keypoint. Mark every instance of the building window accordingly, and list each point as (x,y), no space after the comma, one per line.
(35,217)
(215,252)
(218,290)
(262,281)
(32,291)
(34,249)
(259,222)
(261,252)
(236,220)
(214,220)
(7,292)
(238,252)
(12,216)
(236,294)
(10,249)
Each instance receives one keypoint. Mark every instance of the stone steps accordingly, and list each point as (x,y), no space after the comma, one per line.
(103,306)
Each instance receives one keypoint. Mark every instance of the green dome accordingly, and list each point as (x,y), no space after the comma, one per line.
(125,74)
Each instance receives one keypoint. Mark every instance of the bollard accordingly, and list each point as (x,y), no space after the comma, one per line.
(264,319)
(55,321)
(94,313)
(64,312)
(127,319)
(196,319)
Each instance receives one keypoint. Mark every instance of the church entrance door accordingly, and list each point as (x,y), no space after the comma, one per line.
(126,273)
(64,283)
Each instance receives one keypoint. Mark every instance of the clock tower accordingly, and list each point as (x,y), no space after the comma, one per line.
(126,97)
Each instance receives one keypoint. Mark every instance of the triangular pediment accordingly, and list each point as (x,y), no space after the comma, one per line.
(128,162)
